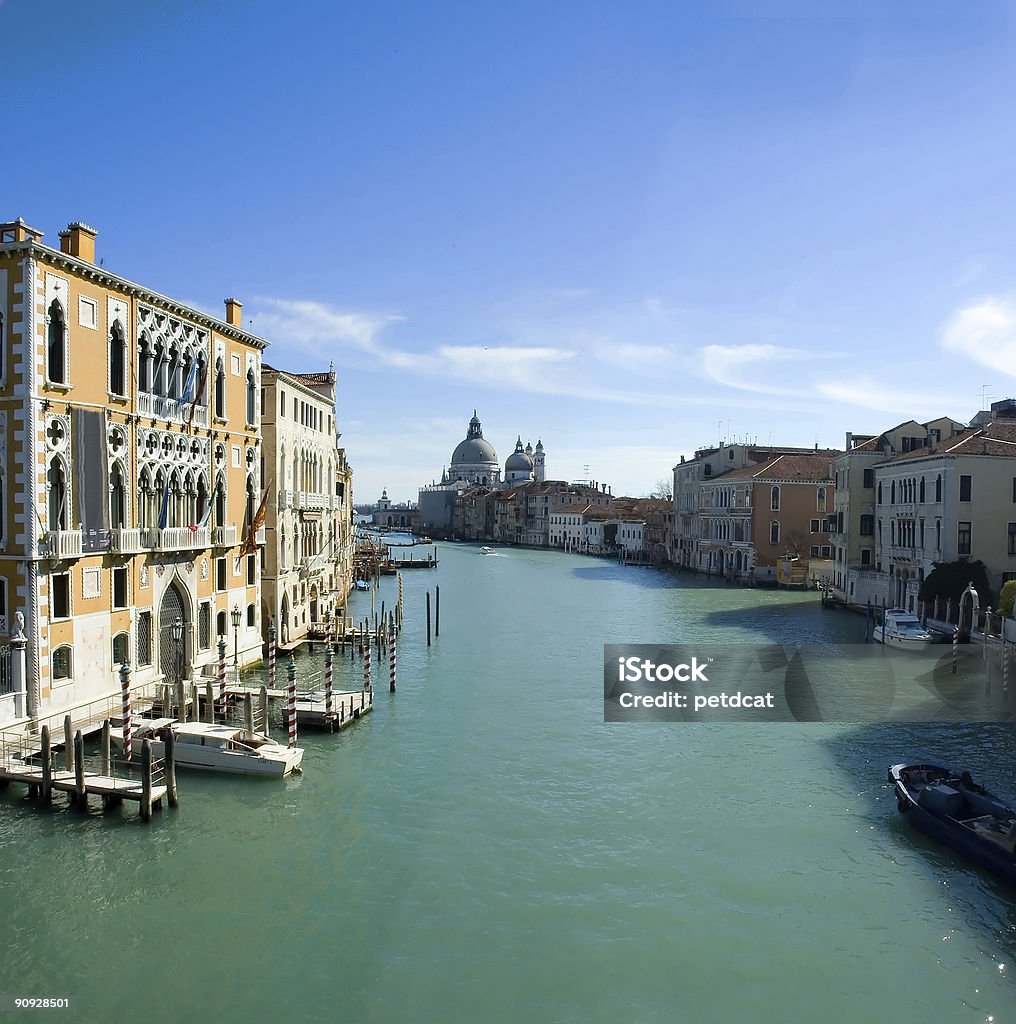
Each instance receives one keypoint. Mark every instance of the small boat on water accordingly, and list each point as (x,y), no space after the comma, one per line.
(901,629)
(362,585)
(952,809)
(487,551)
(216,748)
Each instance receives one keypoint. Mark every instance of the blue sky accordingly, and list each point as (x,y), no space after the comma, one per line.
(626,229)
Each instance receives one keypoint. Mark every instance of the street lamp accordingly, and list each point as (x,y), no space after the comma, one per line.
(235,616)
(178,640)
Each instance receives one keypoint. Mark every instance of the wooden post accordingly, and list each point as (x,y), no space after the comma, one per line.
(209,703)
(106,764)
(222,677)
(291,699)
(328,685)
(47,766)
(125,697)
(80,797)
(181,704)
(428,618)
(169,753)
(195,706)
(867,620)
(68,744)
(248,714)
(146,780)
(437,611)
(263,702)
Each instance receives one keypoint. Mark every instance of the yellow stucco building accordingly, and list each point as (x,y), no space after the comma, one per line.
(131,467)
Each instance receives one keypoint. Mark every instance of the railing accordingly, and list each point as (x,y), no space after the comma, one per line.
(312,501)
(6,681)
(164,408)
(178,538)
(125,541)
(224,536)
(285,499)
(64,543)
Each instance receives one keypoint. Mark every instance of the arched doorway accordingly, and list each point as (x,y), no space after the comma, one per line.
(284,620)
(171,652)
(313,605)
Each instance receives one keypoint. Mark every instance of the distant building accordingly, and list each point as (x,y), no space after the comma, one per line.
(401,516)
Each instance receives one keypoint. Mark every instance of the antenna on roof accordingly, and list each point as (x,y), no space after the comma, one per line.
(984,396)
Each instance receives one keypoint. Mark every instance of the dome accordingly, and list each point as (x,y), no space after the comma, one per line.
(518,461)
(472,451)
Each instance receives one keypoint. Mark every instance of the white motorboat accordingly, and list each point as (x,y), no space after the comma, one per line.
(215,748)
(901,629)
(362,585)
(487,551)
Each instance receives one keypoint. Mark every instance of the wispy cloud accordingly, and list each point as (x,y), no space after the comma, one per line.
(744,366)
(985,333)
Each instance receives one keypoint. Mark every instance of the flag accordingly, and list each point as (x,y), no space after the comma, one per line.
(197,398)
(250,545)
(204,522)
(188,388)
(164,511)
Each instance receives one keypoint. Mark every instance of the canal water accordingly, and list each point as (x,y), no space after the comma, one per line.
(483,847)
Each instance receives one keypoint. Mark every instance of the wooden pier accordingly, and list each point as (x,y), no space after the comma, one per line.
(346,707)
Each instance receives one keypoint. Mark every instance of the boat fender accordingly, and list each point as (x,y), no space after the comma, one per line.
(901,803)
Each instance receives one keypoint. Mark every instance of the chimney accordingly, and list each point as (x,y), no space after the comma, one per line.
(233,307)
(79,240)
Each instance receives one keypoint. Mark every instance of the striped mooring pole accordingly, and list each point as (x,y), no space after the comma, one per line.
(291,699)
(271,655)
(391,667)
(955,648)
(366,669)
(328,682)
(125,698)
(400,600)
(1005,670)
(222,677)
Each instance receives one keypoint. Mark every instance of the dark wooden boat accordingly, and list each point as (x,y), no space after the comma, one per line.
(951,808)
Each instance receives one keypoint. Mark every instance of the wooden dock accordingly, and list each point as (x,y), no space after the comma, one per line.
(347,707)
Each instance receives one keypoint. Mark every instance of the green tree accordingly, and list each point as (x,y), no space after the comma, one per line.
(1007,597)
(950,579)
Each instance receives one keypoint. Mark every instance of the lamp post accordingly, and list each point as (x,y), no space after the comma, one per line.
(235,616)
(178,640)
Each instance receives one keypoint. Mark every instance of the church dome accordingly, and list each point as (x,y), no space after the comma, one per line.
(518,461)
(474,450)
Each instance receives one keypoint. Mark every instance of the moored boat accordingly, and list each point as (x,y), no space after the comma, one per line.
(362,585)
(901,629)
(216,748)
(952,809)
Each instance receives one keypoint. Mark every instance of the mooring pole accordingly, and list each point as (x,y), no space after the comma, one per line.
(106,751)
(263,702)
(47,766)
(428,618)
(437,610)
(170,767)
(125,698)
(146,781)
(955,648)
(80,797)
(291,699)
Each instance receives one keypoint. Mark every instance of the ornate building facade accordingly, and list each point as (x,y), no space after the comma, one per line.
(308,561)
(131,473)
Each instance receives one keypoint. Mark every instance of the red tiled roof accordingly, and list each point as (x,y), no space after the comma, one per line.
(814,468)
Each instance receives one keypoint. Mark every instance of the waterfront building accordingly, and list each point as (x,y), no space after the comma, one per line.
(752,517)
(403,516)
(308,558)
(951,501)
(131,495)
(855,578)
(474,466)
(698,542)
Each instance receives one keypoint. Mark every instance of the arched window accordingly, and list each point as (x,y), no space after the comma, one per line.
(938,487)
(220,390)
(879,499)
(201,507)
(821,499)
(117,360)
(117,498)
(250,615)
(774,532)
(144,500)
(159,370)
(920,491)
(144,364)
(220,624)
(57,366)
(173,382)
(892,531)
(892,493)
(220,502)
(57,483)
(251,399)
(775,499)
(249,507)
(282,548)
(121,649)
(63,665)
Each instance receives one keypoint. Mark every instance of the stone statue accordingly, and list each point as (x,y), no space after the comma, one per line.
(19,626)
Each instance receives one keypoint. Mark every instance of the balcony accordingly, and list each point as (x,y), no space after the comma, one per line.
(313,502)
(178,538)
(162,408)
(224,536)
(125,541)
(260,535)
(63,543)
(285,499)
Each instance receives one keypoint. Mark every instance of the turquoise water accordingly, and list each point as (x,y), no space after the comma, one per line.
(484,847)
